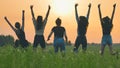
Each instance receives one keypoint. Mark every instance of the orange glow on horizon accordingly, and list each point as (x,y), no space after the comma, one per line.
(13,10)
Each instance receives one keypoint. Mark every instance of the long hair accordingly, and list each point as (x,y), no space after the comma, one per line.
(107,22)
(83,20)
(39,22)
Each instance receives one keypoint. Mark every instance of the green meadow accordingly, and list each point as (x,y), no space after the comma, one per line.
(20,58)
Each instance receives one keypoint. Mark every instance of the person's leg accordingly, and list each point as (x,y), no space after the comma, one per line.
(111,49)
(24,43)
(17,42)
(102,49)
(36,42)
(110,45)
(77,44)
(42,43)
(84,43)
(56,45)
(62,47)
(103,43)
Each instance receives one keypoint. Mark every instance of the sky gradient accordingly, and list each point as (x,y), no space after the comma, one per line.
(13,10)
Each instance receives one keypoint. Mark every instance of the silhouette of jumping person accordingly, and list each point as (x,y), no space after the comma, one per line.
(59,34)
(107,26)
(19,30)
(82,22)
(39,25)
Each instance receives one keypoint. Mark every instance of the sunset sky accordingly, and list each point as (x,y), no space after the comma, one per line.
(63,9)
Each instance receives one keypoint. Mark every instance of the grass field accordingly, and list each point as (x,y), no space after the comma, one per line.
(18,58)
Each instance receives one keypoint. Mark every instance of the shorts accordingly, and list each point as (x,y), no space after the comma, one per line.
(106,39)
(39,39)
(59,43)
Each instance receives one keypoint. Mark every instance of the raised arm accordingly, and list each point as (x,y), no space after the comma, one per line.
(33,16)
(114,7)
(100,15)
(46,17)
(50,35)
(76,13)
(48,12)
(23,20)
(9,23)
(88,14)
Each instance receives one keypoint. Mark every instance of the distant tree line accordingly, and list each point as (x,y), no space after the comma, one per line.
(4,40)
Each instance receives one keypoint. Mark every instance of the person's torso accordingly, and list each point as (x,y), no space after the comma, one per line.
(20,34)
(41,30)
(106,29)
(58,32)
(82,29)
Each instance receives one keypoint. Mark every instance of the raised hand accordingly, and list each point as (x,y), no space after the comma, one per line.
(99,5)
(113,12)
(23,11)
(32,12)
(23,19)
(49,7)
(31,6)
(114,5)
(89,5)
(76,5)
(5,18)
(9,23)
(76,13)
(100,14)
(48,39)
(88,11)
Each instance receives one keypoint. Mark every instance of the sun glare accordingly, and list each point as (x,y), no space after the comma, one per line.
(63,7)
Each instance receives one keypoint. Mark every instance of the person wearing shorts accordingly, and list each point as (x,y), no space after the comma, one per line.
(39,25)
(107,26)
(82,22)
(59,34)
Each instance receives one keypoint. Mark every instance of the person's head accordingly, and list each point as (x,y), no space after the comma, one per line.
(39,22)
(39,19)
(83,20)
(106,20)
(58,22)
(106,23)
(17,25)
